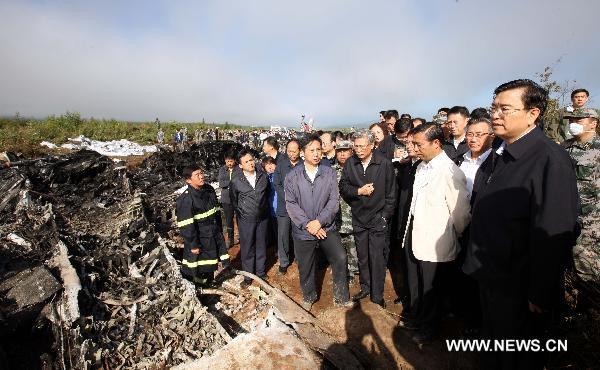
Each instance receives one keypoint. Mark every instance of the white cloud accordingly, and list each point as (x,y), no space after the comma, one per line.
(270,61)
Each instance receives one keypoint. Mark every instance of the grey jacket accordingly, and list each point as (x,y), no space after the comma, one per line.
(306,201)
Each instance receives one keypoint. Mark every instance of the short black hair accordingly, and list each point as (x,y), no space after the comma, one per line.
(479,113)
(382,112)
(310,139)
(534,96)
(577,91)
(402,125)
(444,109)
(268,159)
(391,113)
(244,152)
(406,115)
(459,109)
(423,120)
(272,142)
(337,134)
(230,154)
(431,130)
(187,171)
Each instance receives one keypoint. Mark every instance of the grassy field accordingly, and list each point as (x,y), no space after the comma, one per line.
(25,135)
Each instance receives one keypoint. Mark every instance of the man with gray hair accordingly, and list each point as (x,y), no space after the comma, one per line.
(368,185)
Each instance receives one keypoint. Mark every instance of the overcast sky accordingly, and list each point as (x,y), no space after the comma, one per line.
(268,62)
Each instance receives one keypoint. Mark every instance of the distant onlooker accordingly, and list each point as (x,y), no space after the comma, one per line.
(391,116)
(226,173)
(456,145)
(418,121)
(558,130)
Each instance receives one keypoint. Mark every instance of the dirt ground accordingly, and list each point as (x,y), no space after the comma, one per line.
(371,332)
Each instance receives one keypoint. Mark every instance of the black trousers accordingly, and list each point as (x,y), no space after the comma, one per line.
(229,213)
(425,282)
(372,249)
(253,245)
(283,240)
(335,254)
(506,315)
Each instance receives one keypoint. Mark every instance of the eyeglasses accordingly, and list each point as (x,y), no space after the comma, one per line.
(478,135)
(503,111)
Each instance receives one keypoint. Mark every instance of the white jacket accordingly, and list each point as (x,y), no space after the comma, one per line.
(441,210)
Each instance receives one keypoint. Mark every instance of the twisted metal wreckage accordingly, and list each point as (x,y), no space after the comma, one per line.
(89,275)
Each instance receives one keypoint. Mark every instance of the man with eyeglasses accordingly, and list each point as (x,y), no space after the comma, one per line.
(523,225)
(479,138)
(456,145)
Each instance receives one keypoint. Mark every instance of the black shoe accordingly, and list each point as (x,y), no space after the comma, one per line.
(360,295)
(283,270)
(245,283)
(380,303)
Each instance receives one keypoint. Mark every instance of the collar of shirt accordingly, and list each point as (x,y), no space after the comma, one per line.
(479,159)
(522,143)
(457,142)
(251,178)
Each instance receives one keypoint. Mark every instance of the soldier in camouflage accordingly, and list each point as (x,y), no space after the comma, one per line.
(584,148)
(557,127)
(343,151)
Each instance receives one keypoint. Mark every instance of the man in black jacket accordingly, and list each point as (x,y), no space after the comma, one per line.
(283,220)
(456,146)
(226,173)
(523,224)
(368,185)
(405,179)
(199,222)
(249,197)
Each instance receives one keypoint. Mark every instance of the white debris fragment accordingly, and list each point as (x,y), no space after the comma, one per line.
(18,240)
(49,145)
(115,148)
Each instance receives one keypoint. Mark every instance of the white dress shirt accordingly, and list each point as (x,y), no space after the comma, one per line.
(251,178)
(422,177)
(470,166)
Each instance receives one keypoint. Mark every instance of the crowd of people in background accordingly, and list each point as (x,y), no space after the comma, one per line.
(479,213)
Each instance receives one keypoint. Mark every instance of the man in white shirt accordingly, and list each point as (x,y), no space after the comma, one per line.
(439,212)
(479,139)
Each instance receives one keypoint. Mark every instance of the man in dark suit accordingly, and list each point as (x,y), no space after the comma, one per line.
(456,145)
(368,185)
(523,224)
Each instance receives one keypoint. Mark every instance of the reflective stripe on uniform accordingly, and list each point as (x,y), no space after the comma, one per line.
(199,216)
(199,263)
(224,257)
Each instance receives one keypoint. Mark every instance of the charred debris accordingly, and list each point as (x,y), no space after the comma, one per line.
(89,276)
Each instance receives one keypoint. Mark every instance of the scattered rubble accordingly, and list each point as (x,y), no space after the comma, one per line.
(88,266)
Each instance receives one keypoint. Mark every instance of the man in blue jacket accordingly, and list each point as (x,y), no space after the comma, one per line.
(312,202)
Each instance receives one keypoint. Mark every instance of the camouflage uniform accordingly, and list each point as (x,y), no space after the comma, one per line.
(344,225)
(586,253)
(556,128)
